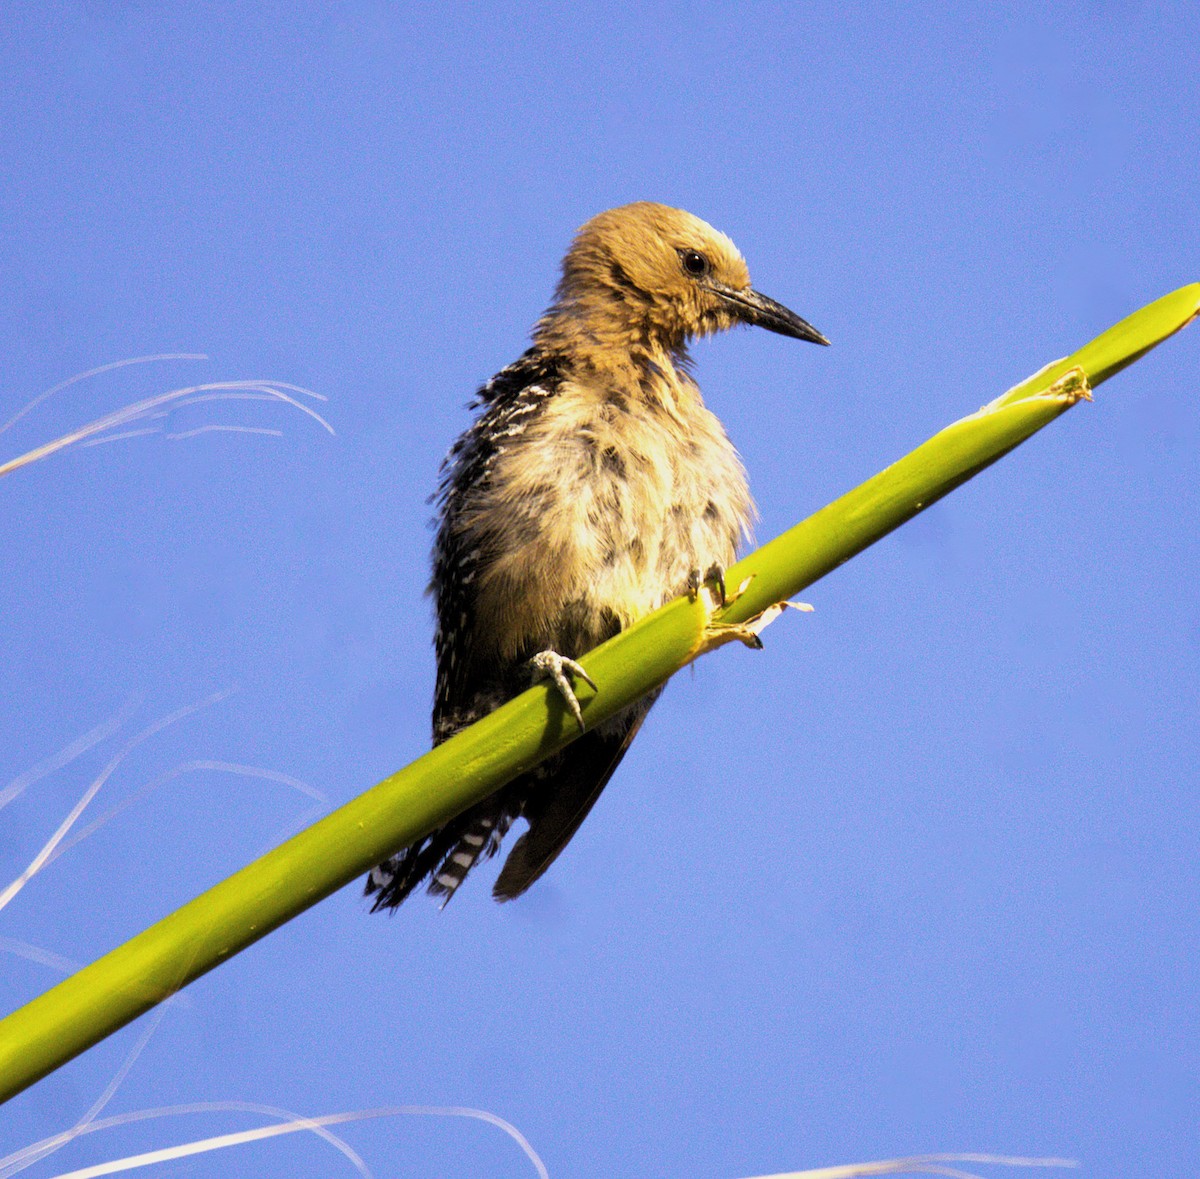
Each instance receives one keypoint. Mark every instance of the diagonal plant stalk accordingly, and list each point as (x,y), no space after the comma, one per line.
(131,979)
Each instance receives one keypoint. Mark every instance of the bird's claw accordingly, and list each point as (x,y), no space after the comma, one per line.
(715,574)
(550,665)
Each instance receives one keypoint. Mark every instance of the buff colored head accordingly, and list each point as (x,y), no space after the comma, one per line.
(659,276)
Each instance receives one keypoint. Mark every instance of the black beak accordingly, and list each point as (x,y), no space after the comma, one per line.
(751,307)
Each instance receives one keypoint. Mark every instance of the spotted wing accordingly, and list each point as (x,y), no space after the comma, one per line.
(462,695)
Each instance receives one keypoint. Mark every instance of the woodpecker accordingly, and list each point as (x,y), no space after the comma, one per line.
(593,486)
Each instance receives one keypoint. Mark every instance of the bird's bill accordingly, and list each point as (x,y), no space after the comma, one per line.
(751,307)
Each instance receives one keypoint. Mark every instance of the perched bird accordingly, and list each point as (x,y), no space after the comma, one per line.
(593,487)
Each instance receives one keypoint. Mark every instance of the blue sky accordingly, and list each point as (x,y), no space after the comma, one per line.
(922,876)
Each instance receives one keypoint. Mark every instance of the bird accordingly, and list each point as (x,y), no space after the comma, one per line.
(592,487)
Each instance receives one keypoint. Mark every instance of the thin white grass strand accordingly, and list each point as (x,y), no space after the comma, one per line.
(923,1164)
(130,414)
(43,957)
(95,372)
(68,753)
(292,1126)
(34,1153)
(118,1079)
(187,767)
(286,830)
(64,965)
(39,861)
(215,428)
(205,1107)
(298,389)
(205,397)
(121,436)
(202,398)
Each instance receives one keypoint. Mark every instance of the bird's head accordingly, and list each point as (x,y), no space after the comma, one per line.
(649,273)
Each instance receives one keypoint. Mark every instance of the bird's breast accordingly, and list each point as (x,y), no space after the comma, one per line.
(606,505)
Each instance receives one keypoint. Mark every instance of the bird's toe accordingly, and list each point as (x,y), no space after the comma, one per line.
(550,665)
(714,574)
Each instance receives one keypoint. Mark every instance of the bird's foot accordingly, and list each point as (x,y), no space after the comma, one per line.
(550,665)
(715,575)
(717,634)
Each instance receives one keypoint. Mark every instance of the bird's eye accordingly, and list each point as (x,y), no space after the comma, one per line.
(695,263)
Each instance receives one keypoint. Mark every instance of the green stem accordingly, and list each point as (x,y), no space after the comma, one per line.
(219,923)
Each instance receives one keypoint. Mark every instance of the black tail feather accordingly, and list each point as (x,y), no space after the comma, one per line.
(555,798)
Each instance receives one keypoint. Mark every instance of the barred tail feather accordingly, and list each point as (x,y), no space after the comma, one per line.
(480,841)
(391,882)
(444,858)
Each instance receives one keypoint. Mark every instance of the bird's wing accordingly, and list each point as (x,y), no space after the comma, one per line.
(464,690)
(563,799)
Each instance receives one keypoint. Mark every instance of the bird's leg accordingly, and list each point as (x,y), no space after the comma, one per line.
(715,574)
(550,665)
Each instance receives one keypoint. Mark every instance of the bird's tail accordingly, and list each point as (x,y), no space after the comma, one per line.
(444,858)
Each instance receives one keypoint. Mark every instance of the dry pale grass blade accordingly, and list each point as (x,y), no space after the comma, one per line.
(43,857)
(22,1159)
(157,409)
(924,1164)
(43,957)
(291,1124)
(58,846)
(39,1150)
(64,965)
(215,428)
(95,372)
(68,754)
(187,767)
